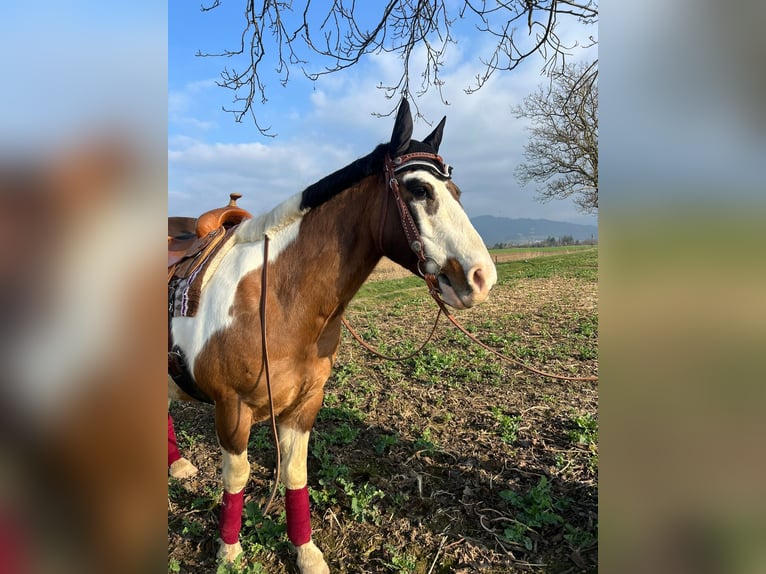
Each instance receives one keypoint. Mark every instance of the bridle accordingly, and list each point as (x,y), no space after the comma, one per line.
(428,267)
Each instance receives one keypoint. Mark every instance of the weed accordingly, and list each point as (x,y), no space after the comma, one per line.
(261,532)
(191,527)
(578,538)
(400,561)
(341,413)
(209,500)
(261,439)
(363,507)
(240,566)
(176,489)
(188,441)
(341,435)
(433,365)
(174,565)
(585,352)
(426,443)
(585,430)
(385,442)
(537,508)
(345,372)
(399,499)
(509,425)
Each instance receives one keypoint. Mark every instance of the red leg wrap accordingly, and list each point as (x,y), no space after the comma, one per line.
(231,516)
(14,547)
(298,515)
(173,454)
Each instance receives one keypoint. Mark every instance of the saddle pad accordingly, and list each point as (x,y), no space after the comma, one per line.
(186,282)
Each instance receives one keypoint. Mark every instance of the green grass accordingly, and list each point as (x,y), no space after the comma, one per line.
(392,290)
(555,249)
(580,265)
(581,262)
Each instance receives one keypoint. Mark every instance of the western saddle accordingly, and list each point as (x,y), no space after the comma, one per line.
(189,237)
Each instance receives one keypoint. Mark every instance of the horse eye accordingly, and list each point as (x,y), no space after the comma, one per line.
(419,192)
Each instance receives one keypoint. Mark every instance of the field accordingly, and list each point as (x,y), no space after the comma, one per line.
(451,461)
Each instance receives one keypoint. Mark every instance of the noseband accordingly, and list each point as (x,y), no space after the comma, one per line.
(427,266)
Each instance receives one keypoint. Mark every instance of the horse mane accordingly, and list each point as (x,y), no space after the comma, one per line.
(331,185)
(270,222)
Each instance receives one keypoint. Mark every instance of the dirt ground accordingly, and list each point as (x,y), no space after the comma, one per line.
(449,462)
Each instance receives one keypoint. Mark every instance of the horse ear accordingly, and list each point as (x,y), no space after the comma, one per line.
(400,138)
(435,137)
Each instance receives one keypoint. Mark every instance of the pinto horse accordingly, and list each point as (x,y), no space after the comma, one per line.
(398,201)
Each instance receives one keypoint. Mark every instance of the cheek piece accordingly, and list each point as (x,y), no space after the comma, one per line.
(298,515)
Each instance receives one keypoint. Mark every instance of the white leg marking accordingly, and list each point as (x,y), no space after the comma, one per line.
(310,560)
(236,471)
(294,446)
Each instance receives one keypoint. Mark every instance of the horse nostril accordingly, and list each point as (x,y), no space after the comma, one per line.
(476,278)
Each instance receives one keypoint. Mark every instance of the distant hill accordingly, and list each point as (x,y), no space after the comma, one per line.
(495,230)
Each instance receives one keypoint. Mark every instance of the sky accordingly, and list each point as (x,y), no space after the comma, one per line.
(324,125)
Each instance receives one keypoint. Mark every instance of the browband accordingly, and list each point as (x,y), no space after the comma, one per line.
(431,162)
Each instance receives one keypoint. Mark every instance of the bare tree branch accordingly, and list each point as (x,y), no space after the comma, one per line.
(337,35)
(562,151)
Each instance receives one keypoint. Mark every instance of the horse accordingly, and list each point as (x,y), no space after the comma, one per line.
(398,201)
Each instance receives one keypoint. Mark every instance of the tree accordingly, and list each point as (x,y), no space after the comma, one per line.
(562,151)
(279,35)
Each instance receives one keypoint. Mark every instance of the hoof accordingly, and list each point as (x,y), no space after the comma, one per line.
(228,552)
(182,468)
(310,559)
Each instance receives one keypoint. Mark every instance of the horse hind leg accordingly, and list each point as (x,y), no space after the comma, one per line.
(178,466)
(294,446)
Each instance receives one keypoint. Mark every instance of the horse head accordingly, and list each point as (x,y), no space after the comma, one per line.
(444,244)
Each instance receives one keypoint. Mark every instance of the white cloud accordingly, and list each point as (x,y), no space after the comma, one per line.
(181,105)
(204,174)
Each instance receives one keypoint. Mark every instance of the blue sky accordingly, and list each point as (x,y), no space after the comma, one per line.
(324,125)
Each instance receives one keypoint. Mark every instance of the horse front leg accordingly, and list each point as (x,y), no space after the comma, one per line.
(232,423)
(294,446)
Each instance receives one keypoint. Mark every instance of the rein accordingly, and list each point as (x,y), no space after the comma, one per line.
(265,360)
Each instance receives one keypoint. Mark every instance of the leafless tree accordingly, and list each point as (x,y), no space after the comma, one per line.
(324,37)
(562,151)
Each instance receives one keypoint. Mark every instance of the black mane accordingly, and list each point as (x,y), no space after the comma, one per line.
(331,185)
